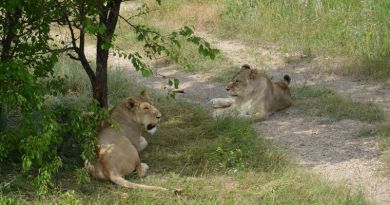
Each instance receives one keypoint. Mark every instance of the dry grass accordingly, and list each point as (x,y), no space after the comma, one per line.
(203,15)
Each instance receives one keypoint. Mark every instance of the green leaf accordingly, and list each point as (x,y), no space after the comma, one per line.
(201,50)
(176,83)
(186,31)
(146,72)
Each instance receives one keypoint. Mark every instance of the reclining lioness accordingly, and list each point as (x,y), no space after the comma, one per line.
(254,95)
(118,146)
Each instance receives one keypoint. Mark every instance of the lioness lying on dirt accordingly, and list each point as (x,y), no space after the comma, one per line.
(254,95)
(118,146)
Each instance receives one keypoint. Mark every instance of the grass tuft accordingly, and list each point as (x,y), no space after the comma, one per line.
(317,101)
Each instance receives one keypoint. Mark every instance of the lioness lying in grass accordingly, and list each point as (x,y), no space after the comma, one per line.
(254,95)
(118,147)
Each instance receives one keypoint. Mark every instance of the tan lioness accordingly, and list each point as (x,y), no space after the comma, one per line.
(118,146)
(253,95)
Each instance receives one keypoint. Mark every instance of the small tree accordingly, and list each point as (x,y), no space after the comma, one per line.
(26,65)
(28,55)
(25,54)
(99,18)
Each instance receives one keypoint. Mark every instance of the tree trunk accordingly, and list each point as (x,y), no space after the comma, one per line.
(10,23)
(2,121)
(108,17)
(100,87)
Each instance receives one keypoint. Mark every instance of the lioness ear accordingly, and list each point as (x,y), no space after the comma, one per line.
(144,94)
(131,102)
(253,74)
(245,67)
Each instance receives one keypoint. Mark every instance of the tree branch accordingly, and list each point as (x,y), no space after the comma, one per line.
(72,34)
(73,57)
(80,52)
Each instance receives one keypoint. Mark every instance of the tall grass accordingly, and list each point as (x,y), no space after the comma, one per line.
(356,29)
(220,161)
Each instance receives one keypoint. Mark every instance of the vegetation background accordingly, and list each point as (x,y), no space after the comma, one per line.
(213,161)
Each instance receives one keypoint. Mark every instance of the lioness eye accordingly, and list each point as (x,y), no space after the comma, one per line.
(237,81)
(146,108)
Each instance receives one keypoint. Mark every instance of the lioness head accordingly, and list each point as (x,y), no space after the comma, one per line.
(240,84)
(144,111)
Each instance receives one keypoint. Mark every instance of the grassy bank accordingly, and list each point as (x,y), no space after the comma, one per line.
(213,161)
(353,34)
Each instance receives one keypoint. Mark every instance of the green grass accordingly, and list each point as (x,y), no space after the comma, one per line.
(386,85)
(358,32)
(323,102)
(383,134)
(220,161)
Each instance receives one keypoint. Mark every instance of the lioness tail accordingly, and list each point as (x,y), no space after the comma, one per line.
(287,79)
(123,182)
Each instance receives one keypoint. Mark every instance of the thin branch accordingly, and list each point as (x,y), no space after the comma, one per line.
(141,13)
(126,20)
(61,50)
(82,32)
(72,34)
(73,57)
(80,52)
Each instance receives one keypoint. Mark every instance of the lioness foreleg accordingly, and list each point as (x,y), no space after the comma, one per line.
(223,112)
(259,116)
(221,102)
(142,144)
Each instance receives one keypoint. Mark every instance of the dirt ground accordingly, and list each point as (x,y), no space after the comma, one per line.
(332,149)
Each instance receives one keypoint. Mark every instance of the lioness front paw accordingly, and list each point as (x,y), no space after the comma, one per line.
(244,115)
(221,102)
(143,170)
(213,102)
